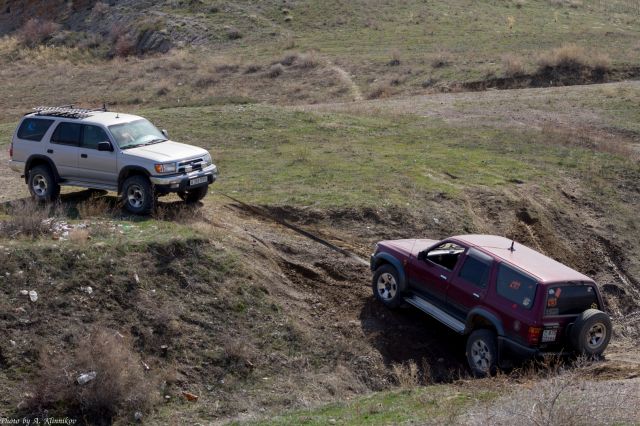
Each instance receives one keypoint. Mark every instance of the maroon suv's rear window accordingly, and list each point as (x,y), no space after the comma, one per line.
(570,299)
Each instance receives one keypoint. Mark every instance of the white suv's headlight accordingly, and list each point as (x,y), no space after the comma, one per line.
(207,159)
(166,168)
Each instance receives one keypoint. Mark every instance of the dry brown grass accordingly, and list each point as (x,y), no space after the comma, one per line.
(381,91)
(513,65)
(120,388)
(275,70)
(27,219)
(406,374)
(441,59)
(96,207)
(572,57)
(308,60)
(395,58)
(36,31)
(79,236)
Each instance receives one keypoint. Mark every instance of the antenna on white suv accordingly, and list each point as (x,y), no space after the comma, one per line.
(512,249)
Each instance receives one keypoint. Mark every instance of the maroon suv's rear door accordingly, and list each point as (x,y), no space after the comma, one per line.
(469,283)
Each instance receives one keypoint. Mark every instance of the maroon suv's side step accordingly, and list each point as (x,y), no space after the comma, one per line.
(432,310)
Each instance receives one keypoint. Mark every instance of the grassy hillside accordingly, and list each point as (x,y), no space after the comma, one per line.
(350,119)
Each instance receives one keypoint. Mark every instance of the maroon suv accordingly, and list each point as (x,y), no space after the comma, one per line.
(508,298)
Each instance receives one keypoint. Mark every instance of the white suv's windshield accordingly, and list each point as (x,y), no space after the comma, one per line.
(136,133)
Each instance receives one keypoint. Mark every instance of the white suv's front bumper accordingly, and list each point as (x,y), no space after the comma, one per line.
(178,182)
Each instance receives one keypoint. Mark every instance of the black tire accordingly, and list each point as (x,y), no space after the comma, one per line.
(591,333)
(42,184)
(194,195)
(482,352)
(386,286)
(138,195)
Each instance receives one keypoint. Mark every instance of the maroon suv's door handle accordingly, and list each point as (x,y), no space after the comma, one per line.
(444,277)
(476,295)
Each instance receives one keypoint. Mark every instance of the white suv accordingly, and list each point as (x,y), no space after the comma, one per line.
(124,153)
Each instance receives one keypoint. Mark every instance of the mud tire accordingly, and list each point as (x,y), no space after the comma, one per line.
(482,352)
(591,333)
(386,286)
(138,195)
(42,184)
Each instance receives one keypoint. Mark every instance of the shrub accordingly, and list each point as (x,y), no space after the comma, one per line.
(569,56)
(441,59)
(252,69)
(120,385)
(124,46)
(406,375)
(275,71)
(27,219)
(395,58)
(513,65)
(36,31)
(308,60)
(233,33)
(381,91)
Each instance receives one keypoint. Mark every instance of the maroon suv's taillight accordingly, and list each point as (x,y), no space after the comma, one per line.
(533,336)
(11,150)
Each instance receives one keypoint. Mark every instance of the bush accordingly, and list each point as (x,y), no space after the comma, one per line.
(36,31)
(233,33)
(275,71)
(27,219)
(308,60)
(441,59)
(381,91)
(570,57)
(120,385)
(513,66)
(124,46)
(395,58)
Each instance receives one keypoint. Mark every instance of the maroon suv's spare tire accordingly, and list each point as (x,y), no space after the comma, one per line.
(591,332)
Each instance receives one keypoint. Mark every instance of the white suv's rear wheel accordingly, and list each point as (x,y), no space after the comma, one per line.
(138,195)
(42,185)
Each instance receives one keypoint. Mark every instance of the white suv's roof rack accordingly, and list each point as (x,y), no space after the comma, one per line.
(66,111)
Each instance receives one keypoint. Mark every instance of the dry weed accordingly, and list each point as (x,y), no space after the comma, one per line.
(36,31)
(381,91)
(395,58)
(120,386)
(275,70)
(441,59)
(308,60)
(406,374)
(79,236)
(95,207)
(513,65)
(572,57)
(26,218)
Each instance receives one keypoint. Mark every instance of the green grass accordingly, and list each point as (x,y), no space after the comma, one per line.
(279,156)
(442,404)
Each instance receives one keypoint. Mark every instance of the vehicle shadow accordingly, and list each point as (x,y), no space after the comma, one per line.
(103,204)
(408,335)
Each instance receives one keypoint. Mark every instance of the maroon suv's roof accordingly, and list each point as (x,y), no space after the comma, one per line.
(531,261)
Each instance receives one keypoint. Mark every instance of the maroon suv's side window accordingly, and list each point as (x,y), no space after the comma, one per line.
(516,286)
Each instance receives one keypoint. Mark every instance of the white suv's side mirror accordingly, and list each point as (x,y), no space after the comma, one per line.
(165,133)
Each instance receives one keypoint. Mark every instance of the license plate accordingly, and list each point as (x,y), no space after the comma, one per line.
(198,181)
(549,335)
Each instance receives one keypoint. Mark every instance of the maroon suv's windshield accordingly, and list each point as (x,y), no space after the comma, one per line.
(570,299)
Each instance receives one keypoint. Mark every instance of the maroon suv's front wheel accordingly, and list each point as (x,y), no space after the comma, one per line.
(386,286)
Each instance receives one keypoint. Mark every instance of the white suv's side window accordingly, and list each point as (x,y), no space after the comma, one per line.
(34,129)
(92,136)
(67,134)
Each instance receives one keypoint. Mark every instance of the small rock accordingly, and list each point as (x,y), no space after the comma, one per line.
(13,342)
(24,292)
(86,377)
(167,398)
(86,289)
(137,416)
(136,278)
(33,296)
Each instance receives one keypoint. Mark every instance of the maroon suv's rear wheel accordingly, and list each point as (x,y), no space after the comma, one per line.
(482,352)
(591,332)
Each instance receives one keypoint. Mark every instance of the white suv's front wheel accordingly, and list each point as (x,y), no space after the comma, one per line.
(42,184)
(138,195)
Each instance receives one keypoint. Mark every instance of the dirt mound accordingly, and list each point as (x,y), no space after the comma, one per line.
(553,77)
